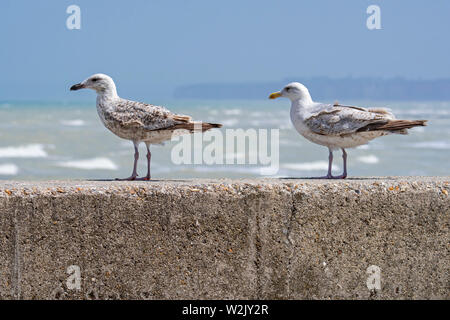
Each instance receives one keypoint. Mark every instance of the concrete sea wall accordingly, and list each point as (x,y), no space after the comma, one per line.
(374,238)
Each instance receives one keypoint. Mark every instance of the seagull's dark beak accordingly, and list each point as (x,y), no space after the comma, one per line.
(77,86)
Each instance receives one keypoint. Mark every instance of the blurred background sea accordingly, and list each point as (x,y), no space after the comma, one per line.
(61,140)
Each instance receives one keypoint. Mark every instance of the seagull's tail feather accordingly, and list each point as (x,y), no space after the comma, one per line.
(196,126)
(181,118)
(394,126)
(208,125)
(215,125)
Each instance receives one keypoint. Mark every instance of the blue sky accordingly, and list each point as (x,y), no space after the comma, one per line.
(151,47)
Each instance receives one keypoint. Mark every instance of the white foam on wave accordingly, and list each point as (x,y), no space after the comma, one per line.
(229,122)
(369,159)
(417,129)
(440,145)
(363,147)
(309,166)
(232,112)
(73,123)
(276,123)
(90,164)
(27,151)
(8,169)
(259,114)
(423,112)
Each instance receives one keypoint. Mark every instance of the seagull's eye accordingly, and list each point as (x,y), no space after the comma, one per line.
(287,88)
(95,79)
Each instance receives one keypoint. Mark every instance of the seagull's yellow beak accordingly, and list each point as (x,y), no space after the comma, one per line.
(275,95)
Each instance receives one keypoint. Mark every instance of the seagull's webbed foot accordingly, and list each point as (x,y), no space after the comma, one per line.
(322,177)
(330,164)
(149,157)
(146,178)
(342,176)
(136,158)
(330,177)
(131,178)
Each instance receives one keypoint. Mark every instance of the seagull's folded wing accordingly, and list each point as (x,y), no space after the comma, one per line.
(133,114)
(336,119)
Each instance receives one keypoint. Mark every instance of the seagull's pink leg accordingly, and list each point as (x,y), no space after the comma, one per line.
(136,158)
(149,157)
(330,165)
(344,158)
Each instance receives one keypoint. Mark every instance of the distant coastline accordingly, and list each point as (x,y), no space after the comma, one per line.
(327,88)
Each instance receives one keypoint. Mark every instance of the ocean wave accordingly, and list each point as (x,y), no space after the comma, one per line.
(276,123)
(309,166)
(232,112)
(427,112)
(73,123)
(229,122)
(369,159)
(27,151)
(259,114)
(90,164)
(441,145)
(417,129)
(8,169)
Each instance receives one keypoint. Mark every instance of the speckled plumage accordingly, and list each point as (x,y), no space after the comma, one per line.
(137,121)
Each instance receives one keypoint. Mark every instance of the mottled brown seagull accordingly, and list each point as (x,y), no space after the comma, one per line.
(337,126)
(137,121)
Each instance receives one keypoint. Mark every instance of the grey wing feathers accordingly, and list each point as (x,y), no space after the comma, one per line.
(132,114)
(146,116)
(341,120)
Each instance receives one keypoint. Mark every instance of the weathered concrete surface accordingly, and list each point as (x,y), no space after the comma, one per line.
(225,239)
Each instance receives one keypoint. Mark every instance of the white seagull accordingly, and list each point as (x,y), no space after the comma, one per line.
(337,126)
(137,121)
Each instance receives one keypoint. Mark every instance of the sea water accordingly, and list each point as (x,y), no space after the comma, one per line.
(62,140)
